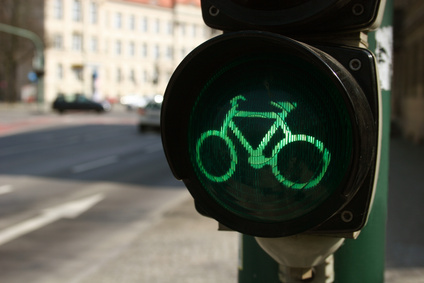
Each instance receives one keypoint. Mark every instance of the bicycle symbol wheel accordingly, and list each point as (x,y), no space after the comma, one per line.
(325,161)
(233,156)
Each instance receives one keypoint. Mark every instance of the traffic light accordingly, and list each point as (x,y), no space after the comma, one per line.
(274,136)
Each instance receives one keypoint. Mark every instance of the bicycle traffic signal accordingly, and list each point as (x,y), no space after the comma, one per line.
(273,136)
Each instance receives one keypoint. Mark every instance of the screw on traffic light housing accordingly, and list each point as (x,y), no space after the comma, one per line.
(275,137)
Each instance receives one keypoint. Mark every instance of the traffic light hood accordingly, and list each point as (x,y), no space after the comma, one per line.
(293,17)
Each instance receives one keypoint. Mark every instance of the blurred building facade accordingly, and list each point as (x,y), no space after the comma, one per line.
(107,49)
(408,73)
(111,48)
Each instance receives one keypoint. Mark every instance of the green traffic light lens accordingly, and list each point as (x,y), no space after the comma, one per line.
(270,136)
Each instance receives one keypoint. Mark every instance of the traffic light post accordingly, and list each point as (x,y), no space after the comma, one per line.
(363,260)
(274,127)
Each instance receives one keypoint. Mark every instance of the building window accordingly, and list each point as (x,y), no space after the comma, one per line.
(118,75)
(94,13)
(59,71)
(77,11)
(106,46)
(194,30)
(156,26)
(156,52)
(132,49)
(77,42)
(58,9)
(118,47)
(132,22)
(145,76)
(170,28)
(144,52)
(183,29)
(94,44)
(118,20)
(170,52)
(155,77)
(58,42)
(78,72)
(144,24)
(132,76)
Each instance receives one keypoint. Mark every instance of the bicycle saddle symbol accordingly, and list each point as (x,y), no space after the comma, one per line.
(257,159)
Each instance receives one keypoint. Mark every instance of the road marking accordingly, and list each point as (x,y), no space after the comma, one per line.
(95,164)
(68,210)
(5,189)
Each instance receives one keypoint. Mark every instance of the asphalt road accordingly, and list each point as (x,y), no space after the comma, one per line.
(74,194)
(76,191)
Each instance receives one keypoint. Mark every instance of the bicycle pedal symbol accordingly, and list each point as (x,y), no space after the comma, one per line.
(256,158)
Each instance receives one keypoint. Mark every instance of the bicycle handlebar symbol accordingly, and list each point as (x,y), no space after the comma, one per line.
(257,159)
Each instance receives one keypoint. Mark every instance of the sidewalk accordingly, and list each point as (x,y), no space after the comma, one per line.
(183,247)
(21,117)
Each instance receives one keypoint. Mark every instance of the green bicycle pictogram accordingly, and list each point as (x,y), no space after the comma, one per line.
(257,159)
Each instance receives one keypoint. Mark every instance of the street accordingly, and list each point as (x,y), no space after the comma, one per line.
(73,194)
(86,198)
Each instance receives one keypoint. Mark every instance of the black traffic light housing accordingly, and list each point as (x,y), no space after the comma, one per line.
(292,17)
(213,73)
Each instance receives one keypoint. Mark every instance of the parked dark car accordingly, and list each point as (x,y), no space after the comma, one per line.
(79,102)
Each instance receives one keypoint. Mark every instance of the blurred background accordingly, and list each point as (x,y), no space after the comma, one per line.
(86,194)
(106,50)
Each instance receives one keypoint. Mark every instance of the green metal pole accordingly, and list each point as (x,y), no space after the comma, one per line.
(362,260)
(255,265)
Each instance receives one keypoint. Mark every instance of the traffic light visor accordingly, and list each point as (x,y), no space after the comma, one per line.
(292,17)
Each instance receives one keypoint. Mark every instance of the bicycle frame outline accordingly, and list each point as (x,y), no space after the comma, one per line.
(256,157)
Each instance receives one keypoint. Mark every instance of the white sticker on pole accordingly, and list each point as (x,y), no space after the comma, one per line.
(384,54)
